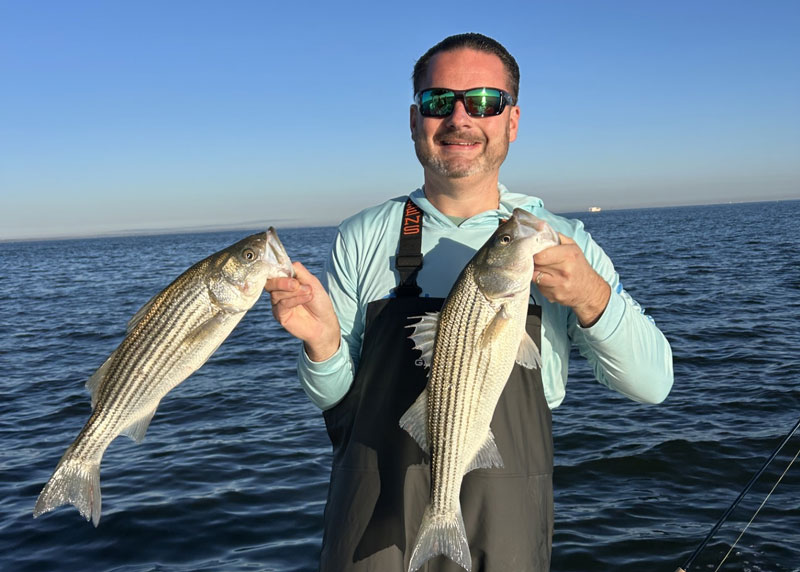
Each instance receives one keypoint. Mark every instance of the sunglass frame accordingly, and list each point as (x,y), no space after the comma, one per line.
(460,95)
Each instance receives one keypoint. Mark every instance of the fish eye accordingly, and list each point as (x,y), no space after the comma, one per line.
(505,239)
(248,254)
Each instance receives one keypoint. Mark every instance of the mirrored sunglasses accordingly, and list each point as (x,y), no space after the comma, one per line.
(478,101)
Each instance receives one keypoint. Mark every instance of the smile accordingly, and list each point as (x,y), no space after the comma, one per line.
(465,144)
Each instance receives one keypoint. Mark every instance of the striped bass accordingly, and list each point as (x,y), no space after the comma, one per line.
(470,348)
(168,339)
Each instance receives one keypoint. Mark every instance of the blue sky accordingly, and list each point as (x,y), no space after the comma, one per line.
(140,115)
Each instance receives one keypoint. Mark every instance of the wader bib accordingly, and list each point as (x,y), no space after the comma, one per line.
(380,480)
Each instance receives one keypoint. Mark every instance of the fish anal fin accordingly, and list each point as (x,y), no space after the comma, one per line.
(415,421)
(424,335)
(138,428)
(528,354)
(487,457)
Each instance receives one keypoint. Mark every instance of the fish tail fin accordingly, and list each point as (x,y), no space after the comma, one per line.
(441,534)
(75,482)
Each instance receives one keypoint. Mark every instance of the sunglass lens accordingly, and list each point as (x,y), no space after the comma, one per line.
(483,102)
(437,102)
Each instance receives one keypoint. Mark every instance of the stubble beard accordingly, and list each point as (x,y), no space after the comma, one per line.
(458,168)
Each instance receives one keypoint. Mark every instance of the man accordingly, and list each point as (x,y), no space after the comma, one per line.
(359,367)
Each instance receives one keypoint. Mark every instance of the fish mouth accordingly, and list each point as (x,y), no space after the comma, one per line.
(535,224)
(525,218)
(275,253)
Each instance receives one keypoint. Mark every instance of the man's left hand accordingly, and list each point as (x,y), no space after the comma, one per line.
(564,276)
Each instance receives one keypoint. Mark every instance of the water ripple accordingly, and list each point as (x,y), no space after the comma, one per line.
(233,473)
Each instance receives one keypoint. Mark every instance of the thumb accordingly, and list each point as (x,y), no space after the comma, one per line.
(303,276)
(565,239)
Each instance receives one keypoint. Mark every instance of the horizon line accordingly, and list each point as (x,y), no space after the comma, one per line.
(296,223)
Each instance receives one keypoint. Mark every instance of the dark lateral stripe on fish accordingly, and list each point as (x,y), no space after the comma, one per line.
(143,359)
(457,403)
(154,355)
(168,339)
(146,359)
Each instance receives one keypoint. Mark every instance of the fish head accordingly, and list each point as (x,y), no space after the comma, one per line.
(503,266)
(240,272)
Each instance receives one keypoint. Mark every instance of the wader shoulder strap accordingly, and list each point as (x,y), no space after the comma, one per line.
(409,253)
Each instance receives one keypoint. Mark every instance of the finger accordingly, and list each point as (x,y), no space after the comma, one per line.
(303,291)
(539,276)
(552,254)
(565,239)
(555,256)
(287,308)
(548,256)
(302,274)
(284,304)
(281,284)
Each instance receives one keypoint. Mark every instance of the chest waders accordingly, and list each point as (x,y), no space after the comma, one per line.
(380,479)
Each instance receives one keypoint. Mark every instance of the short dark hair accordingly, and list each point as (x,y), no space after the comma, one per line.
(472,41)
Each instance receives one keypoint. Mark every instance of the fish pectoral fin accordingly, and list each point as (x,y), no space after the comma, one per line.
(425,335)
(487,457)
(528,354)
(205,338)
(415,421)
(138,428)
(94,382)
(495,326)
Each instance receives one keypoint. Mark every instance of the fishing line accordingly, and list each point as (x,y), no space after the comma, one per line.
(730,509)
(775,486)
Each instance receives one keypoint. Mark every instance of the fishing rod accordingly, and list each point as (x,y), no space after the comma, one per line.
(730,509)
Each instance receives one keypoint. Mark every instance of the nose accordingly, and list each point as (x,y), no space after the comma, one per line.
(459,115)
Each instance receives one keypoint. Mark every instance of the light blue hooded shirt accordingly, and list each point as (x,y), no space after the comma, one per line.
(627,351)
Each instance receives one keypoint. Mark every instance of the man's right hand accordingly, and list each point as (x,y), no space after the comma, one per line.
(304,309)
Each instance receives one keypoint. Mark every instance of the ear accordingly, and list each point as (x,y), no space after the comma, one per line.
(513,123)
(412,120)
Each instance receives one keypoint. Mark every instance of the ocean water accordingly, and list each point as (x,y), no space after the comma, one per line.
(233,472)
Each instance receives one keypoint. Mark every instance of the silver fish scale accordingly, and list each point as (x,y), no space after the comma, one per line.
(142,370)
(168,339)
(459,414)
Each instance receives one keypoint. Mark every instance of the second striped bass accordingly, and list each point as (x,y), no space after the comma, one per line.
(168,340)
(471,347)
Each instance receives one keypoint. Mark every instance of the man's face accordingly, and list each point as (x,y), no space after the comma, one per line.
(460,146)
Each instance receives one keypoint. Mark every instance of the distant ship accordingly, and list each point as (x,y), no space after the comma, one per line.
(595,209)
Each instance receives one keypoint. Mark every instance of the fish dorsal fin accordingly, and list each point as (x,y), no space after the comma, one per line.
(137,317)
(495,326)
(415,421)
(138,428)
(528,354)
(487,457)
(425,335)
(94,382)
